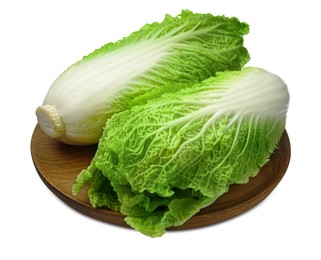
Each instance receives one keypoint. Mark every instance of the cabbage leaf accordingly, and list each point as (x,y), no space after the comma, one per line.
(161,162)
(159,58)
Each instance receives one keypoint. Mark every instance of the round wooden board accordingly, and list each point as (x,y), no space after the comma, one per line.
(58,165)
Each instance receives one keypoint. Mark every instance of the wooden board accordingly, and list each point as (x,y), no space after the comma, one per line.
(58,165)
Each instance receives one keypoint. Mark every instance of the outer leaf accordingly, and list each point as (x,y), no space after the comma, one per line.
(171,157)
(181,50)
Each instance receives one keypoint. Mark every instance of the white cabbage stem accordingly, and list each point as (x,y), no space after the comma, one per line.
(50,121)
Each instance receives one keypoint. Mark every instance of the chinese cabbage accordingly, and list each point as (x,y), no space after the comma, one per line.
(161,162)
(183,50)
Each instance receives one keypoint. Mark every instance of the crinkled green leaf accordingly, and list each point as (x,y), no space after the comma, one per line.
(176,154)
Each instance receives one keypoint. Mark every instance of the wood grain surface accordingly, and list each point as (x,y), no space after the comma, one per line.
(58,165)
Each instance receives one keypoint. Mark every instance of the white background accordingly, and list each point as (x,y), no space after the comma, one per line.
(40,39)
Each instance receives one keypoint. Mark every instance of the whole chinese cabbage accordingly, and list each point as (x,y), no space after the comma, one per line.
(187,48)
(161,162)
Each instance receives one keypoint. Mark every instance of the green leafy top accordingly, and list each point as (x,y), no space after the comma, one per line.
(219,31)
